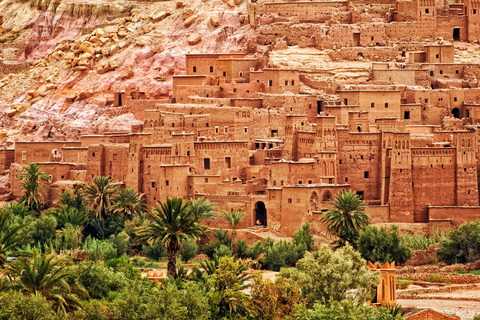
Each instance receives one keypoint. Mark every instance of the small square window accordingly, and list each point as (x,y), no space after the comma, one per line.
(241,74)
(206,163)
(372,105)
(289,200)
(366,174)
(436,56)
(456,71)
(309,181)
(286,82)
(153,184)
(245,130)
(441,71)
(455,99)
(224,74)
(211,69)
(194,69)
(346,179)
(225,129)
(431,73)
(293,83)
(270,83)
(167,183)
(426,10)
(386,104)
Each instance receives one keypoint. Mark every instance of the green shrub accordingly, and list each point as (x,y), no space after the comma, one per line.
(100,280)
(283,253)
(382,245)
(189,249)
(223,251)
(437,279)
(403,284)
(16,306)
(303,236)
(155,251)
(209,248)
(462,245)
(477,317)
(69,239)
(255,250)
(242,248)
(93,310)
(121,242)
(43,230)
(99,249)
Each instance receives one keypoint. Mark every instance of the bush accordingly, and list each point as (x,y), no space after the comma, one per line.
(283,253)
(209,248)
(255,250)
(437,279)
(15,305)
(303,236)
(99,280)
(43,230)
(121,242)
(223,251)
(93,310)
(99,249)
(155,251)
(69,239)
(242,248)
(383,245)
(462,245)
(189,249)
(325,275)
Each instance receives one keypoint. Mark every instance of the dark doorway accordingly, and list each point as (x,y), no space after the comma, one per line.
(319,106)
(406,115)
(260,214)
(119,99)
(456,34)
(356,39)
(456,113)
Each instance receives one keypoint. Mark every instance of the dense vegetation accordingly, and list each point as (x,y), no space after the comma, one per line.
(79,260)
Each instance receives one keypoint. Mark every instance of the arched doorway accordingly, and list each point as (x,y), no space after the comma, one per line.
(314,201)
(260,213)
(456,113)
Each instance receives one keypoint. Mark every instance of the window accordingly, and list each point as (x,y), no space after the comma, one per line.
(441,71)
(194,69)
(245,130)
(167,183)
(372,38)
(346,179)
(63,177)
(293,82)
(360,194)
(258,80)
(372,105)
(455,99)
(234,89)
(188,153)
(431,73)
(309,181)
(270,83)
(289,200)
(228,162)
(366,174)
(436,56)
(216,130)
(286,82)
(426,10)
(225,129)
(206,180)
(224,74)
(206,163)
(456,71)
(241,74)
(211,69)
(300,182)
(406,115)
(207,125)
(93,155)
(386,104)
(426,100)
(153,184)
(330,180)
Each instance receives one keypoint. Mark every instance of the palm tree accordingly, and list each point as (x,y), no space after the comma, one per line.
(66,214)
(33,186)
(74,200)
(100,194)
(347,218)
(129,203)
(10,238)
(175,221)
(47,276)
(234,219)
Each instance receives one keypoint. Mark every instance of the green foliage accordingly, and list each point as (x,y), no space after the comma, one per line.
(73,199)
(10,236)
(174,222)
(129,203)
(345,310)
(43,230)
(18,209)
(437,279)
(227,299)
(302,235)
(403,284)
(121,242)
(462,245)
(383,245)
(325,275)
(346,219)
(220,234)
(223,251)
(242,248)
(47,276)
(272,301)
(100,194)
(477,317)
(189,249)
(70,238)
(14,305)
(70,215)
(283,253)
(255,250)
(154,251)
(99,249)
(421,242)
(99,280)
(34,188)
(93,310)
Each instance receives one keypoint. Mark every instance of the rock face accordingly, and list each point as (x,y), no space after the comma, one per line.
(66,58)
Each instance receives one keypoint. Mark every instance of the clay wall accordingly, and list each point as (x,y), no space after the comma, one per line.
(360,53)
(296,104)
(456,215)
(313,11)
(273,123)
(277,80)
(433,179)
(201,64)
(163,180)
(472,9)
(268,34)
(74,154)
(362,152)
(253,103)
(28,152)
(233,89)
(187,94)
(379,104)
(7,157)
(104,139)
(237,70)
(411,30)
(320,170)
(107,160)
(411,113)
(446,25)
(409,77)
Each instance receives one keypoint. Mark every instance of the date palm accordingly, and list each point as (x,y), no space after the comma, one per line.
(100,194)
(10,238)
(347,218)
(173,222)
(234,219)
(32,184)
(129,203)
(47,276)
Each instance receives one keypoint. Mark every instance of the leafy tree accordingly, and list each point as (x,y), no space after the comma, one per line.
(155,250)
(273,300)
(47,276)
(100,280)
(303,235)
(189,250)
(70,238)
(346,219)
(462,245)
(32,183)
(173,223)
(43,230)
(234,219)
(227,300)
(324,275)
(345,310)
(15,305)
(100,194)
(383,245)
(10,236)
(129,203)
